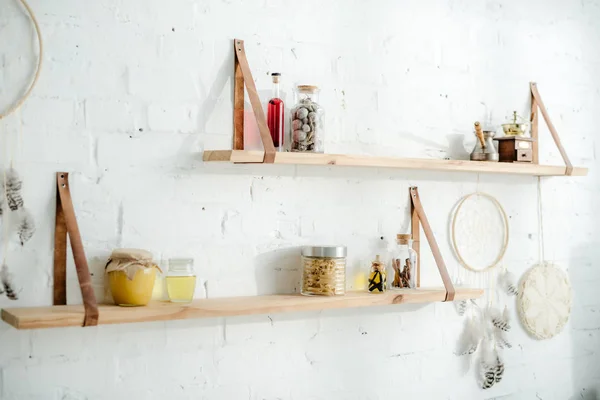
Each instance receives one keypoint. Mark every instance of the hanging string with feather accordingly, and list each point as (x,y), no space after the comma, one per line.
(11,182)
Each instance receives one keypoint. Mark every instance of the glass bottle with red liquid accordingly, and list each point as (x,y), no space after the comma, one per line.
(275,114)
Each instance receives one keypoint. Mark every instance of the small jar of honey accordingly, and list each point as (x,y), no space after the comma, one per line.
(131,274)
(181,280)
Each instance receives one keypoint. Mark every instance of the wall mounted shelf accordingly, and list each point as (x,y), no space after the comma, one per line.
(73,315)
(249,156)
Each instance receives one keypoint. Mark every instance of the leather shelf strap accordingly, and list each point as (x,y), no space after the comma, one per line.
(66,223)
(538,99)
(437,255)
(265,135)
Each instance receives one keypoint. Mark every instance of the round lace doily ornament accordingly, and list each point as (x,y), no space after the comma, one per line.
(544,300)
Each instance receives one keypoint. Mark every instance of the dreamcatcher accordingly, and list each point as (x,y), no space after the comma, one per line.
(479,232)
(544,300)
(16,221)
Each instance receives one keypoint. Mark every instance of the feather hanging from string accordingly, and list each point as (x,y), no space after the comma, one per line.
(13,190)
(500,320)
(499,370)
(1,198)
(501,339)
(487,366)
(507,282)
(7,284)
(461,307)
(470,338)
(26,226)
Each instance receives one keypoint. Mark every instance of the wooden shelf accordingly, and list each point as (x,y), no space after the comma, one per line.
(72,315)
(248,156)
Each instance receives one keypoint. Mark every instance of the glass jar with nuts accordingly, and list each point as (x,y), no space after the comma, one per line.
(307,120)
(324,270)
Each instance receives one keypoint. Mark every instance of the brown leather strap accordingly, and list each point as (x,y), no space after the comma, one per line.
(534,130)
(437,255)
(551,128)
(416,239)
(60,255)
(267,141)
(238,106)
(83,272)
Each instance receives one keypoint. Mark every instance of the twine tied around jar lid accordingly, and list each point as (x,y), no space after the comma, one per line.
(130,261)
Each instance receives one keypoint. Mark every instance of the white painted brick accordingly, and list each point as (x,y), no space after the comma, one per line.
(167,83)
(172,118)
(40,113)
(131,93)
(112,115)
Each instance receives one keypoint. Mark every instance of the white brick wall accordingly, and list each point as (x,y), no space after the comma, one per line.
(132,91)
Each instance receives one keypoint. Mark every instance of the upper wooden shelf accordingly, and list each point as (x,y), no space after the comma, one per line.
(249,156)
(72,315)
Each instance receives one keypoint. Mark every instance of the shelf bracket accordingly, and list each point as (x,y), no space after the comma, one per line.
(66,224)
(418,218)
(244,76)
(537,103)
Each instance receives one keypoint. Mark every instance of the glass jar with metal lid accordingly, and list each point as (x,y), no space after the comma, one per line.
(324,270)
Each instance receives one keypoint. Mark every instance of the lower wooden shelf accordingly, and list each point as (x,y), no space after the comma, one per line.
(249,156)
(72,315)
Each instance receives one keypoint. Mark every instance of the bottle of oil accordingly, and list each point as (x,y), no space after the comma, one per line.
(181,280)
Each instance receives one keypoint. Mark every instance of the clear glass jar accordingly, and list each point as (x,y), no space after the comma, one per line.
(181,280)
(377,276)
(324,270)
(404,264)
(307,120)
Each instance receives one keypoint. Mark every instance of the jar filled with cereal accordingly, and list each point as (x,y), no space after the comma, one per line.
(324,270)
(307,120)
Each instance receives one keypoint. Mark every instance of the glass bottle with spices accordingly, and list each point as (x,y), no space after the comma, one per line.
(378,276)
(307,120)
(324,270)
(181,280)
(404,264)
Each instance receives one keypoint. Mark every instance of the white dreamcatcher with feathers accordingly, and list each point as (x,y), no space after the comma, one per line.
(545,295)
(479,234)
(17,225)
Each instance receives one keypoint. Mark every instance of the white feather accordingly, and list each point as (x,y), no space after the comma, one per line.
(13,190)
(501,340)
(461,307)
(507,282)
(7,283)
(499,320)
(499,369)
(487,365)
(26,226)
(470,338)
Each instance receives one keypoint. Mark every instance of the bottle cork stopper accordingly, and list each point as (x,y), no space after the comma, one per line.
(403,238)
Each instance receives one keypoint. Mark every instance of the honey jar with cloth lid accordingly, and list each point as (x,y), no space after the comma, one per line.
(131,275)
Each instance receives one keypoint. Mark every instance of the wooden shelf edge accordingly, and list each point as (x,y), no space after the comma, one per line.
(72,315)
(251,156)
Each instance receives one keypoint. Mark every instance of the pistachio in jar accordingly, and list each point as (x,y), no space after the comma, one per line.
(307,120)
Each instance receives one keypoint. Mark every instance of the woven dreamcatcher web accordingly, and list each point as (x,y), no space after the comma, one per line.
(544,300)
(479,232)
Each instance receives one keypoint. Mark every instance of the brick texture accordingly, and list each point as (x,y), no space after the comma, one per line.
(132,91)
